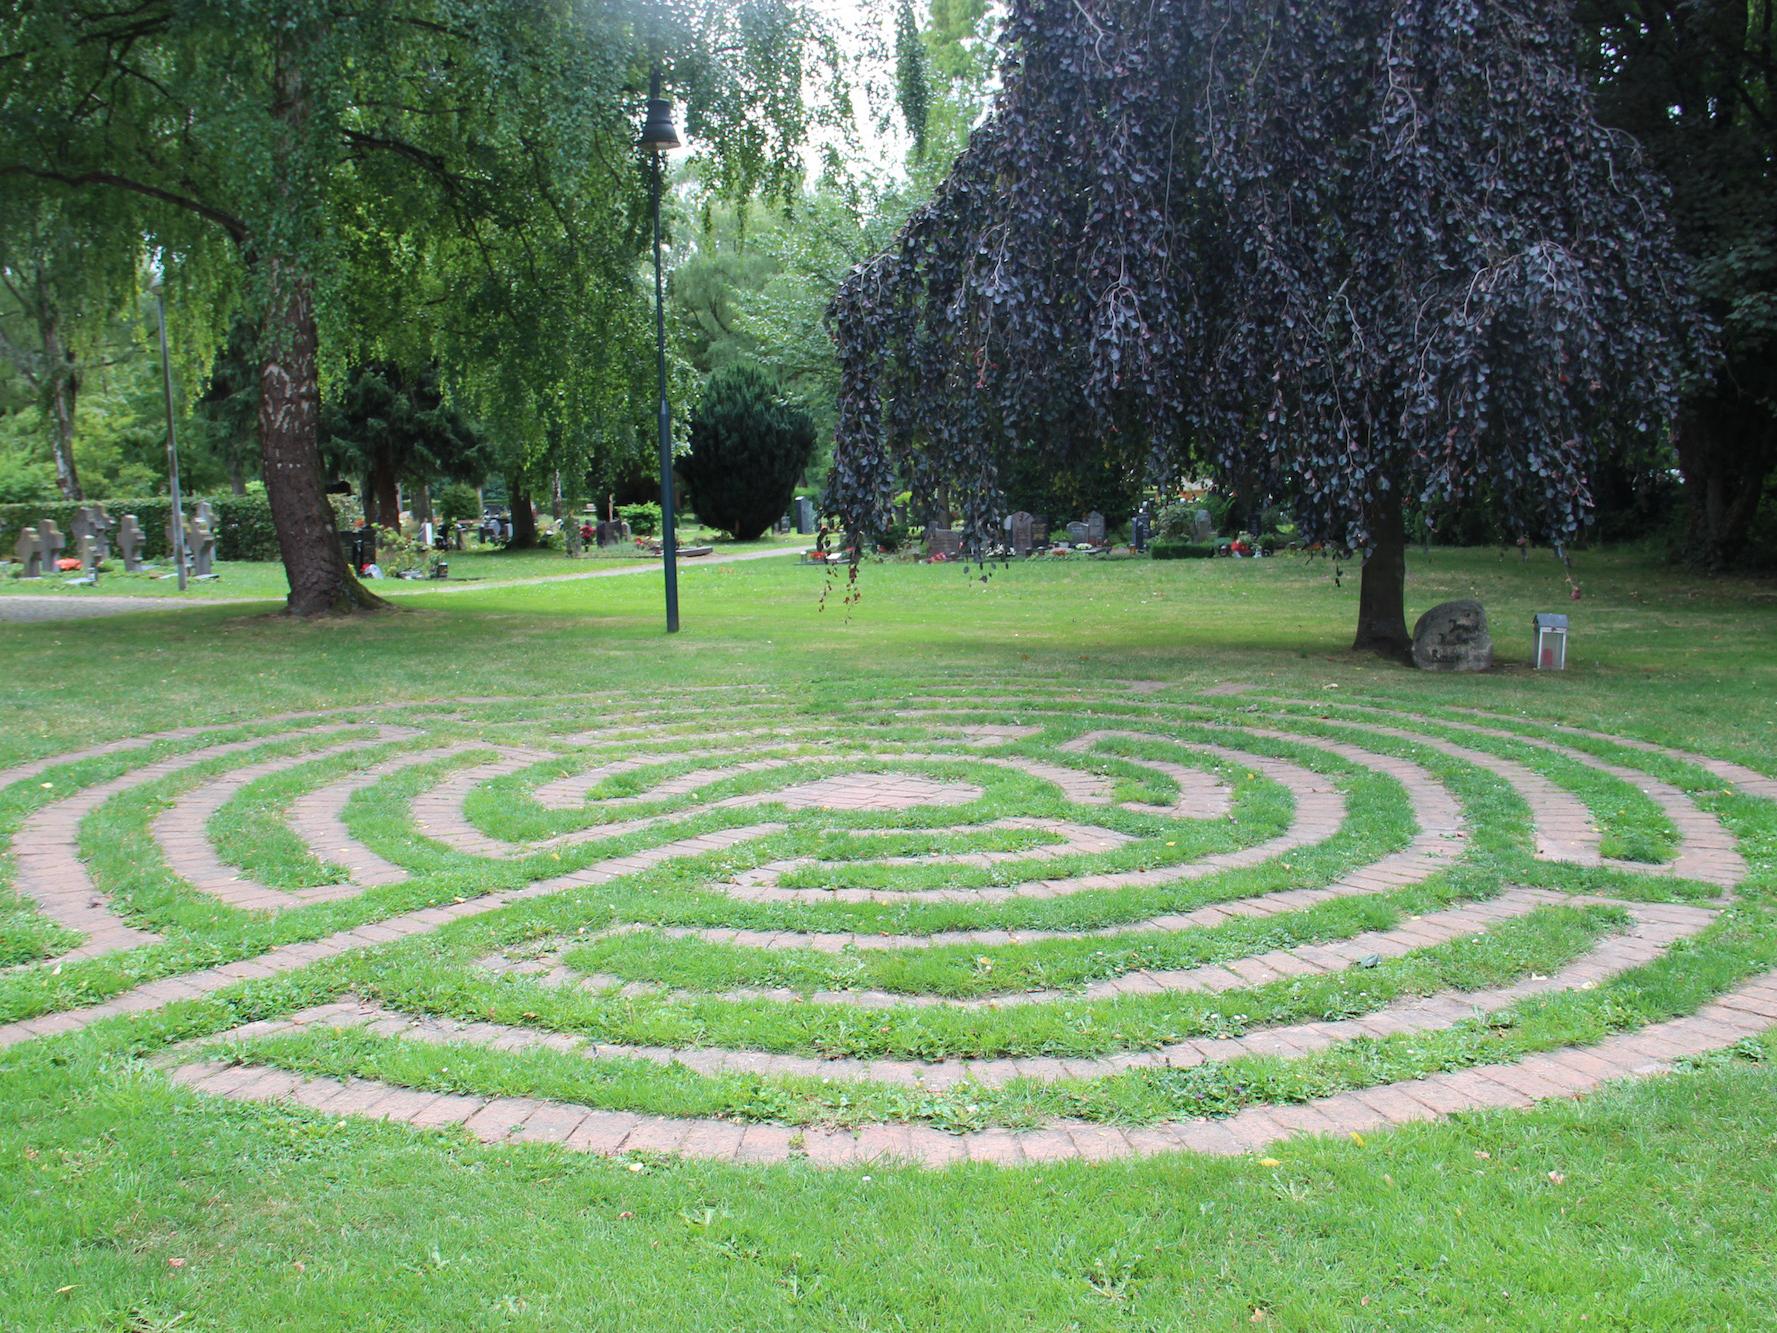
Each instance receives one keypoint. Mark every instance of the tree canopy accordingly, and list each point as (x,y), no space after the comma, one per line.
(1358,256)
(415,181)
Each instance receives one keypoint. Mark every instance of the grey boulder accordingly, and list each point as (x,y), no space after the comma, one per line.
(1453,637)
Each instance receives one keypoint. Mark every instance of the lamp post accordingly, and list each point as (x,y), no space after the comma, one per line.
(659,138)
(166,373)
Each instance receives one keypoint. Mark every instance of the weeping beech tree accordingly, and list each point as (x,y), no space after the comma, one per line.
(1365,257)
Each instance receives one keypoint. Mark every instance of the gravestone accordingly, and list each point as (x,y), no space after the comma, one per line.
(1076,533)
(29,554)
(1039,532)
(92,521)
(1203,527)
(1095,528)
(201,543)
(1138,529)
(89,559)
(1453,636)
(946,542)
(129,542)
(614,532)
(172,542)
(804,515)
(204,512)
(50,544)
(1020,529)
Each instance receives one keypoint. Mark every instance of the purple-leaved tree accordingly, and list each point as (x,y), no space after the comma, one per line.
(1366,257)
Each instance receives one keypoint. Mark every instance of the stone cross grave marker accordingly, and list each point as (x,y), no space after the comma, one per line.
(93,521)
(129,542)
(200,541)
(50,544)
(29,554)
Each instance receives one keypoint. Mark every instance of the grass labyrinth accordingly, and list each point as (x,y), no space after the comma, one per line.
(551,960)
(1070,923)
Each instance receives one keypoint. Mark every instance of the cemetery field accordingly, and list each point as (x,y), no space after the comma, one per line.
(1098,945)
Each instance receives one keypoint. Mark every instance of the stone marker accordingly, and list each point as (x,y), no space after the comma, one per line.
(804,515)
(129,542)
(173,546)
(1021,529)
(1076,533)
(614,532)
(944,541)
(200,541)
(1203,527)
(93,521)
(1453,637)
(50,544)
(29,554)
(1095,528)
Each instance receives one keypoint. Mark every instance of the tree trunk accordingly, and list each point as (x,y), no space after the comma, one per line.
(1727,447)
(62,390)
(237,472)
(1382,594)
(422,503)
(289,386)
(524,518)
(384,493)
(290,455)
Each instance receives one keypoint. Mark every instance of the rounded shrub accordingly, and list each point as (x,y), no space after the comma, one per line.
(748,448)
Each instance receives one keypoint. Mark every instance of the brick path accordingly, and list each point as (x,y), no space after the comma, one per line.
(728,738)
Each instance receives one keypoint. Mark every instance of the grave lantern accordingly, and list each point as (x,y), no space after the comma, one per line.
(1551,641)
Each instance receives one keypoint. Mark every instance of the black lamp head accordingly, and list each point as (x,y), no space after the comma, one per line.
(658,134)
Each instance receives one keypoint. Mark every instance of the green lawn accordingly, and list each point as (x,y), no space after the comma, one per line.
(128,1202)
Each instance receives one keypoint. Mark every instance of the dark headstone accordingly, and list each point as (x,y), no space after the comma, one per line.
(614,532)
(1021,532)
(1039,532)
(1138,529)
(28,553)
(946,542)
(1453,637)
(804,515)
(1095,528)
(129,542)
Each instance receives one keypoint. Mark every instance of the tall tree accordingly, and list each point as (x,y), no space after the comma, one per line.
(471,145)
(1696,82)
(395,426)
(1363,254)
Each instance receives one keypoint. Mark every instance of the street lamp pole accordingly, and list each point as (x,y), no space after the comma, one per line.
(659,137)
(166,373)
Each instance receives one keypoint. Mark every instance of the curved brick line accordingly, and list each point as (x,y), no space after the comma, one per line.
(1071,839)
(1748,780)
(1655,927)
(318,816)
(1707,851)
(1319,812)
(1564,1073)
(181,832)
(1422,932)
(290,957)
(46,850)
(1201,795)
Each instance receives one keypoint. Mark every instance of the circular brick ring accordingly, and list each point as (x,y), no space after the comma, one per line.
(1142,820)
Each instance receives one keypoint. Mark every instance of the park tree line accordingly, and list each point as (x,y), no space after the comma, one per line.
(440,209)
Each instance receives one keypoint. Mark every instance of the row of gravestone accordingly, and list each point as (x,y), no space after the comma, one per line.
(39,549)
(1024,533)
(799,518)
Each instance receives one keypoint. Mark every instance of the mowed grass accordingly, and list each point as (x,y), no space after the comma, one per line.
(127,1203)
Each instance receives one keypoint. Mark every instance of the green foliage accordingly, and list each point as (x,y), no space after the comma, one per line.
(643,519)
(458,502)
(748,449)
(913,75)
(1173,549)
(396,424)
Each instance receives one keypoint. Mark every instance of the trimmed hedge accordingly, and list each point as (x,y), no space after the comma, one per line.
(244,528)
(1182,550)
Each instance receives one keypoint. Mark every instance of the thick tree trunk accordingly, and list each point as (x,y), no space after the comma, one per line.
(289,386)
(1726,450)
(290,454)
(384,494)
(524,518)
(1382,594)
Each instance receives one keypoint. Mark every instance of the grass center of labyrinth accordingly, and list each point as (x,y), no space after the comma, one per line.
(935,927)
